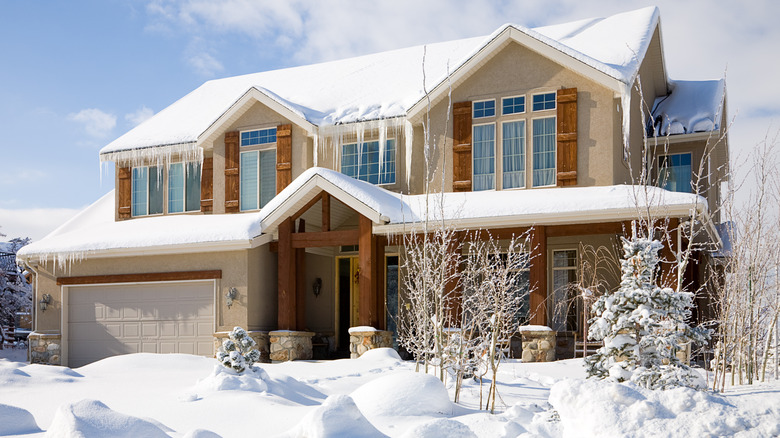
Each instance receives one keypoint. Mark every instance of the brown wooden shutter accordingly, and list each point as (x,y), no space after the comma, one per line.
(567,137)
(461,146)
(124,192)
(231,172)
(207,184)
(283,156)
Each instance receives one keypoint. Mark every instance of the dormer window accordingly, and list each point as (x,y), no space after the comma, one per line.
(150,184)
(361,161)
(674,172)
(183,187)
(258,168)
(147,191)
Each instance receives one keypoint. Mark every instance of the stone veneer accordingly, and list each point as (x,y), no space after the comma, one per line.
(260,337)
(45,348)
(289,345)
(362,339)
(538,343)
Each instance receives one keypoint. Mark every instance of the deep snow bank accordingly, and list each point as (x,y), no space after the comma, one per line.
(403,393)
(15,421)
(92,418)
(338,416)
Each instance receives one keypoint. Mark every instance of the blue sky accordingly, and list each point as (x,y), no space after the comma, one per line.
(76,75)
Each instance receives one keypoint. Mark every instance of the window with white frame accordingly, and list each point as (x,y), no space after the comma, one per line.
(362,161)
(513,154)
(513,105)
(674,172)
(544,148)
(484,108)
(184,187)
(484,157)
(565,304)
(544,101)
(147,191)
(257,168)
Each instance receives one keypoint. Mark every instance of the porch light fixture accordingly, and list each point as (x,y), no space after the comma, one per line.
(45,301)
(317,287)
(231,295)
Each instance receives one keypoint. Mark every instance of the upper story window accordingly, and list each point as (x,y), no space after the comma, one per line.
(484,153)
(257,168)
(513,154)
(183,187)
(674,172)
(484,108)
(147,191)
(513,105)
(542,102)
(361,161)
(544,152)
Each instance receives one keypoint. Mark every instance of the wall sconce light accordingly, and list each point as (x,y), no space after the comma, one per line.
(45,301)
(317,287)
(231,295)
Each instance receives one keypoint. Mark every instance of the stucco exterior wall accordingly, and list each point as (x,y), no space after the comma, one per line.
(321,310)
(516,70)
(262,285)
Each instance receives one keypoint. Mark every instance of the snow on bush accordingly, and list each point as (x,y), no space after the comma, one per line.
(403,393)
(338,416)
(440,427)
(590,408)
(227,379)
(16,421)
(92,418)
(237,352)
(381,355)
(643,325)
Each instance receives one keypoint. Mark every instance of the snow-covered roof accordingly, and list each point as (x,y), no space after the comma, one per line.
(94,231)
(690,107)
(384,85)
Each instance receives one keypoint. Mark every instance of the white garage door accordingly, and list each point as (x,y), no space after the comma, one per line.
(175,317)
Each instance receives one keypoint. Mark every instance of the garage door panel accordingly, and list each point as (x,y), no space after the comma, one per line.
(153,318)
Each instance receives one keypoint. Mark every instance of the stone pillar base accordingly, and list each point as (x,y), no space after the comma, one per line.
(289,345)
(260,337)
(538,343)
(45,348)
(362,339)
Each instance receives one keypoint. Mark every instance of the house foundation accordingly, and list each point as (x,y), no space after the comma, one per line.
(362,339)
(290,345)
(261,338)
(45,348)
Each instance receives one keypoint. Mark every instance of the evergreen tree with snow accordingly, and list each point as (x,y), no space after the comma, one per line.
(238,352)
(643,325)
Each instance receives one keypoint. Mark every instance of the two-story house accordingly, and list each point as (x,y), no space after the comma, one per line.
(275,201)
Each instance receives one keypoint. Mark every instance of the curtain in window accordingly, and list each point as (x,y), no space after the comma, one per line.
(193,186)
(544,152)
(484,152)
(248,184)
(267,176)
(675,172)
(361,161)
(176,188)
(156,188)
(140,190)
(513,155)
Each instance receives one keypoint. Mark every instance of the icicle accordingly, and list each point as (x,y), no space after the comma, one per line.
(625,103)
(155,156)
(408,139)
(316,151)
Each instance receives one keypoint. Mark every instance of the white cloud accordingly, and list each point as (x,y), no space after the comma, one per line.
(139,116)
(34,223)
(205,64)
(97,124)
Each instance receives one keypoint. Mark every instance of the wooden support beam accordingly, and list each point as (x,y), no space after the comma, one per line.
(325,211)
(367,309)
(286,278)
(300,279)
(325,238)
(140,278)
(379,281)
(538,276)
(453,293)
(306,207)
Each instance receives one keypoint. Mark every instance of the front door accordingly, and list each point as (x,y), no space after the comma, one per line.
(348,297)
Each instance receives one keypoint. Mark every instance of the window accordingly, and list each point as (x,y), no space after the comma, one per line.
(183,187)
(484,108)
(513,154)
(565,308)
(544,101)
(147,191)
(484,156)
(513,105)
(674,172)
(362,161)
(258,137)
(258,178)
(544,145)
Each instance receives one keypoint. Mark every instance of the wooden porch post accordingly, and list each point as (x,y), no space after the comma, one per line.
(300,281)
(538,276)
(325,211)
(366,252)
(286,278)
(379,281)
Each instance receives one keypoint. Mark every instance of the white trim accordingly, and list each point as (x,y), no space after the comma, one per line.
(525,104)
(664,140)
(495,110)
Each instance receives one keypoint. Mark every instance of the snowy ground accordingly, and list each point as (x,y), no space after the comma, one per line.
(180,395)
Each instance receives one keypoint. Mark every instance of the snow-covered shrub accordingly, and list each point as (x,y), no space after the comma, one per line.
(238,352)
(643,325)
